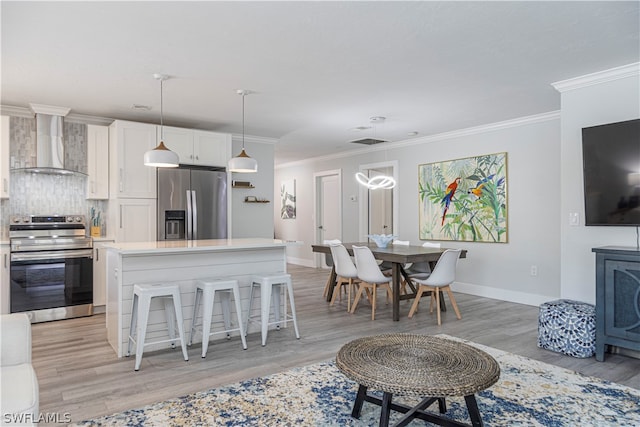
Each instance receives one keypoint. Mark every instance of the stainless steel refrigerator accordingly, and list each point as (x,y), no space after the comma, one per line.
(192,204)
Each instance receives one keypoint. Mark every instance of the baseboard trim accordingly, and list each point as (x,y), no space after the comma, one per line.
(501,294)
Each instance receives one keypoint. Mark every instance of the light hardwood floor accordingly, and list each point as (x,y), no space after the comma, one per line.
(80,375)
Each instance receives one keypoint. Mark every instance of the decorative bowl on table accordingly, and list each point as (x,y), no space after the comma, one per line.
(382,240)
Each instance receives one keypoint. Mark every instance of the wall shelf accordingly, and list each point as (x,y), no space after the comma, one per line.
(241,184)
(257,201)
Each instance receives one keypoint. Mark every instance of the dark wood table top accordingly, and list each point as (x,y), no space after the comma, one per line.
(394,253)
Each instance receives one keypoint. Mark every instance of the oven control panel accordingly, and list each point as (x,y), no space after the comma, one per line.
(47,219)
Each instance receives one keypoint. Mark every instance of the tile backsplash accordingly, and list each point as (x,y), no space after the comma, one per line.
(47,194)
(43,194)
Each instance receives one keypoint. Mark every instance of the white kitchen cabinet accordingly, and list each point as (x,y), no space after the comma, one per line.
(100,272)
(4,157)
(211,148)
(135,219)
(4,279)
(178,140)
(129,177)
(198,147)
(98,162)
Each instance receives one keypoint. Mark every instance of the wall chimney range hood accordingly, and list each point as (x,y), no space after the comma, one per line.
(49,140)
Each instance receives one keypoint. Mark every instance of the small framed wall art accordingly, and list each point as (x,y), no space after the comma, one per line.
(288,198)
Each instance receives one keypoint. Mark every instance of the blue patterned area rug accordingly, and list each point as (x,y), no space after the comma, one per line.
(529,393)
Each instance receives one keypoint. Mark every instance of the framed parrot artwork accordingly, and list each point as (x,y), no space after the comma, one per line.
(464,200)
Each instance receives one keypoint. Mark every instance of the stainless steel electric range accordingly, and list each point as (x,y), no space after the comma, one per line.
(51,267)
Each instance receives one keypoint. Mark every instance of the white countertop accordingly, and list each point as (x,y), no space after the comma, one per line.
(174,246)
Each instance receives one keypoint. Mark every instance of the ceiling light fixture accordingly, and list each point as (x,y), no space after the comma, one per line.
(161,156)
(383,182)
(242,163)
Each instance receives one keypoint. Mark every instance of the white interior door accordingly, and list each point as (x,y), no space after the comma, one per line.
(378,208)
(381,205)
(328,209)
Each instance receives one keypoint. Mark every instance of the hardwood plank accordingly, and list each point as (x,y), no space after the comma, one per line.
(80,374)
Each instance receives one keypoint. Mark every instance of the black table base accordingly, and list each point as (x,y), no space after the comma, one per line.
(418,411)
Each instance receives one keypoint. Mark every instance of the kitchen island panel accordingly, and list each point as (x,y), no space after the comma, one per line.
(185,268)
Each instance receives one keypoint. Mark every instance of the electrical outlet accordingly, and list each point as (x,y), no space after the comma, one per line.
(534,270)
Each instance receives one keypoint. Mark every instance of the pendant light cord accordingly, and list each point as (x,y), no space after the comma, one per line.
(243,95)
(161,112)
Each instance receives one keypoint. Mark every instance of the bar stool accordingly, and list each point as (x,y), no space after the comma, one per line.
(142,295)
(267,282)
(206,291)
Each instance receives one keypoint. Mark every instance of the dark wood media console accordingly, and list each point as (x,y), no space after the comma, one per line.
(617,298)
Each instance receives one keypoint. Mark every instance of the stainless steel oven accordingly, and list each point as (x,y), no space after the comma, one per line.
(51,267)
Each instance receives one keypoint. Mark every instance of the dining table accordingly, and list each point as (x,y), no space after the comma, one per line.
(398,256)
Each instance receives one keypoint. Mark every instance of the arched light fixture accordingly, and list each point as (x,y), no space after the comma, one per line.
(161,156)
(242,162)
(383,182)
(377,182)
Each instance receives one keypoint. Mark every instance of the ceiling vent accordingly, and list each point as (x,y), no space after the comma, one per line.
(368,141)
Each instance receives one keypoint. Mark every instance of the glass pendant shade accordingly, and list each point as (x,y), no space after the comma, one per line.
(242,163)
(161,156)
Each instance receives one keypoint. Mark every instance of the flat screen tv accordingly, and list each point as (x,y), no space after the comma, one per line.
(611,161)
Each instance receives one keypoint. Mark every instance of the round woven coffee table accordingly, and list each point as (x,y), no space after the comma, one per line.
(423,366)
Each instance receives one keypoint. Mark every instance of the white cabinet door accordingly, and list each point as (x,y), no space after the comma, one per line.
(4,157)
(128,141)
(180,141)
(211,148)
(136,220)
(4,279)
(100,273)
(98,162)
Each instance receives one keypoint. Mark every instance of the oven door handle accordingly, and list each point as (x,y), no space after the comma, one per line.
(47,255)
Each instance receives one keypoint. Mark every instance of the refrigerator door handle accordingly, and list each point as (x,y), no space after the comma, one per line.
(189,232)
(195,215)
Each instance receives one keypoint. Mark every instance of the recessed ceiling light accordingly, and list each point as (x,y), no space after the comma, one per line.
(140,107)
(414,133)
(360,128)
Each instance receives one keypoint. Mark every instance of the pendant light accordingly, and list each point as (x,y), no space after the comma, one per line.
(383,182)
(242,162)
(161,156)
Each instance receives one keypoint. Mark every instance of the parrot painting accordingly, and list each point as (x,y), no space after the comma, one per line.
(477,191)
(448,195)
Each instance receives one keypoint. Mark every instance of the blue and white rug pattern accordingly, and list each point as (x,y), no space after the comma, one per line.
(529,393)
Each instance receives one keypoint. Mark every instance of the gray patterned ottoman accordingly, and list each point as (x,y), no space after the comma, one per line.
(568,327)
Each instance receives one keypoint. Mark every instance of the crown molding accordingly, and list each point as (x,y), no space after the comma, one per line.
(609,75)
(492,127)
(11,110)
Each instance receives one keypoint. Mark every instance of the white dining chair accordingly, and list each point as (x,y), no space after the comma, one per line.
(346,273)
(370,277)
(328,259)
(443,275)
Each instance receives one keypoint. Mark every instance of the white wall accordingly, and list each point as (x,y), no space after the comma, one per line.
(253,219)
(495,270)
(601,98)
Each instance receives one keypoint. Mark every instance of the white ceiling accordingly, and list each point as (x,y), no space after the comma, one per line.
(319,69)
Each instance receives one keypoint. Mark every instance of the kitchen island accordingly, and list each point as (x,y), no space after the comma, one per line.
(182,262)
